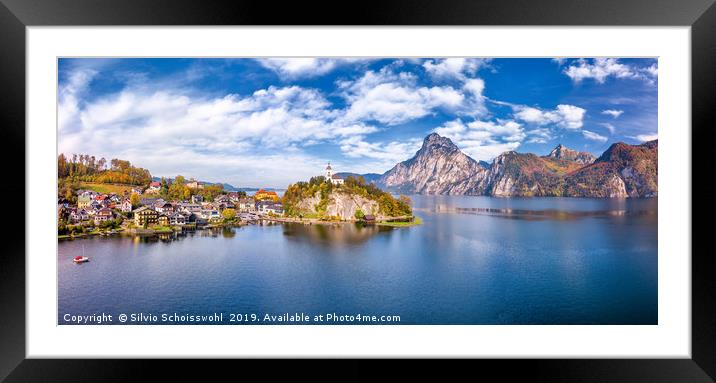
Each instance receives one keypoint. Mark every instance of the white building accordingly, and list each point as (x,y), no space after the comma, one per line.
(126,206)
(177,219)
(266,207)
(334,179)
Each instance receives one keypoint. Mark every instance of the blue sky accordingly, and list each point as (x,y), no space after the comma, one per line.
(270,122)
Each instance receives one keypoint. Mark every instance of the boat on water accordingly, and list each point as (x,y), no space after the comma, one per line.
(81,258)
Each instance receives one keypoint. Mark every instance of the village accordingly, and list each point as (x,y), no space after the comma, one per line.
(150,210)
(142,210)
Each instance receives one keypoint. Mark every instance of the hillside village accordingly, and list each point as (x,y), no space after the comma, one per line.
(150,209)
(94,198)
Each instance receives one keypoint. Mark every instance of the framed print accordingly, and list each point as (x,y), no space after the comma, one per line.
(441,180)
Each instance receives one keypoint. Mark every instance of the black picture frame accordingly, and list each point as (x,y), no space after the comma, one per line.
(700,15)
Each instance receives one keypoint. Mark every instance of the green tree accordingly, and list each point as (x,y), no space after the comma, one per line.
(178,189)
(229,214)
(164,188)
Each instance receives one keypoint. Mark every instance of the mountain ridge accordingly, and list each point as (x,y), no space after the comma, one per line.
(440,167)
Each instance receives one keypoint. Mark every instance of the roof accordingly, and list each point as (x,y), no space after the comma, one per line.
(336,177)
(155,183)
(329,167)
(268,203)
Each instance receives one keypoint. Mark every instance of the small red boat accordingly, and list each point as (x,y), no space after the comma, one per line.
(80,259)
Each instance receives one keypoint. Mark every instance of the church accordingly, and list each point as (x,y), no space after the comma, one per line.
(336,180)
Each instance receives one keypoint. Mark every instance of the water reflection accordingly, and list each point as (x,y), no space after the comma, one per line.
(333,235)
(548,214)
(561,209)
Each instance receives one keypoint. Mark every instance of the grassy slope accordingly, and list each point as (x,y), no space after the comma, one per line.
(105,188)
(416,221)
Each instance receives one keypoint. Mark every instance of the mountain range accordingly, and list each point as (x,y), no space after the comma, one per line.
(440,167)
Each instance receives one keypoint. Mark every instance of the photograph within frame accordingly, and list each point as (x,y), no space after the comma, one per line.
(417,145)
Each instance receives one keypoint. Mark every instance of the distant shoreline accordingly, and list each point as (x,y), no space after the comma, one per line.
(305,221)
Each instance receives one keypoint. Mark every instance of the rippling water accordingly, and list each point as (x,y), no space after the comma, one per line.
(474,260)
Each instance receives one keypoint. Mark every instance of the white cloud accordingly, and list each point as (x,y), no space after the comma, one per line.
(69,94)
(615,113)
(602,68)
(239,169)
(300,67)
(539,136)
(611,128)
(475,87)
(453,68)
(386,154)
(593,136)
(483,140)
(152,127)
(646,137)
(506,130)
(487,152)
(565,116)
(395,98)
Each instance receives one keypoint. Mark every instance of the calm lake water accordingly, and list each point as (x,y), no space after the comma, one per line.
(474,260)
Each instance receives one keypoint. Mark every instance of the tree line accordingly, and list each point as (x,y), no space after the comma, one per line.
(88,168)
(178,190)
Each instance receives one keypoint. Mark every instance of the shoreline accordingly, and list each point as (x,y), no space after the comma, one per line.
(388,221)
(140,232)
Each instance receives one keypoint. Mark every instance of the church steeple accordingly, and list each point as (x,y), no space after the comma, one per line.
(329,172)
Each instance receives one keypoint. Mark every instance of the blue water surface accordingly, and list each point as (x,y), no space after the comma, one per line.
(473,260)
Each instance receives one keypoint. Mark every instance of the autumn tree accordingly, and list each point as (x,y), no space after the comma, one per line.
(229,214)
(209,192)
(134,200)
(84,167)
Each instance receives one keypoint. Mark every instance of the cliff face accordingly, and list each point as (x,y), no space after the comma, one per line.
(340,204)
(622,171)
(439,167)
(345,206)
(526,175)
(309,204)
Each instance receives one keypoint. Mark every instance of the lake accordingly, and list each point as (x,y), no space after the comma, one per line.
(473,260)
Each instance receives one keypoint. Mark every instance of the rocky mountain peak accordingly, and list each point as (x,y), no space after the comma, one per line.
(439,167)
(560,151)
(564,153)
(434,141)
